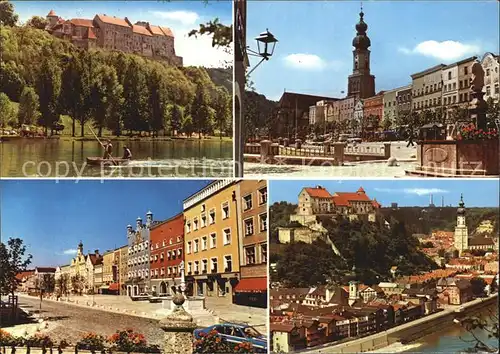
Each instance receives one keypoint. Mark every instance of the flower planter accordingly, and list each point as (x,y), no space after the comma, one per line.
(69,350)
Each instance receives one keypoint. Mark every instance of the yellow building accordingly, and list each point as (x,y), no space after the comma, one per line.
(211,219)
(123,269)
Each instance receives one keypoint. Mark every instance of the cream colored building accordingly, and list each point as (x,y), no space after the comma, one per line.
(123,269)
(464,76)
(211,236)
(427,88)
(491,64)
(390,106)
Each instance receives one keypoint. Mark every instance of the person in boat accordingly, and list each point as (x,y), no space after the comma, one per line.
(108,150)
(127,154)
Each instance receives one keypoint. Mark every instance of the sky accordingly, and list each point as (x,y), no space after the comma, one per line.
(314,52)
(179,16)
(410,192)
(52,218)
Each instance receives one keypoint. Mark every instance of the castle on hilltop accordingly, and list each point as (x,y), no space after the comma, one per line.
(113,33)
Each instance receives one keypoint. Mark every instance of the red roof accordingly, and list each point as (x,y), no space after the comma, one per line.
(90,34)
(343,198)
(51,13)
(248,285)
(113,20)
(167,31)
(24,275)
(318,192)
(114,286)
(156,30)
(141,30)
(360,190)
(82,22)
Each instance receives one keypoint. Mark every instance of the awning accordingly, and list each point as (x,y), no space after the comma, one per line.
(104,287)
(248,285)
(114,286)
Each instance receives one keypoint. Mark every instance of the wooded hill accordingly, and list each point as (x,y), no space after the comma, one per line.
(50,77)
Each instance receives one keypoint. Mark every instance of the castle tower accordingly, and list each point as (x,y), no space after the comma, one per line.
(149,218)
(461,238)
(361,83)
(52,18)
(80,248)
(139,223)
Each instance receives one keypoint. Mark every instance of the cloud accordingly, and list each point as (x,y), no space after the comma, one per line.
(446,50)
(198,51)
(184,17)
(305,61)
(417,191)
(68,252)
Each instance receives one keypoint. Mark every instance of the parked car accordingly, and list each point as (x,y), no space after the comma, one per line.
(237,333)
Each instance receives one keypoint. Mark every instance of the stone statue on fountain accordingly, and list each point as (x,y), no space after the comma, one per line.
(478,106)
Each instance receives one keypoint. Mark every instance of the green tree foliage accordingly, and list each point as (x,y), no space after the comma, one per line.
(222,35)
(32,57)
(12,261)
(258,115)
(7,110)
(37,22)
(176,119)
(28,106)
(7,15)
(107,99)
(387,121)
(478,287)
(223,110)
(48,88)
(200,112)
(304,265)
(187,125)
(279,216)
(492,111)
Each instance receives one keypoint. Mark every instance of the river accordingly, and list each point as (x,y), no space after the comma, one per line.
(67,158)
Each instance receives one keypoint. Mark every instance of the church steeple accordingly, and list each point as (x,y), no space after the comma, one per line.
(361,83)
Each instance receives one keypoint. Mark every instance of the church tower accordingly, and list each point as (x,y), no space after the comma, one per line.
(361,84)
(461,239)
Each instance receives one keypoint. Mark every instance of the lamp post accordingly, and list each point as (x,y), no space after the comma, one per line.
(265,48)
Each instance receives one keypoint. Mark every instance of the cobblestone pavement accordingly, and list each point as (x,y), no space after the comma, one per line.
(70,322)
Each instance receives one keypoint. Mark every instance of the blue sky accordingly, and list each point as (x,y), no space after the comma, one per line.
(52,217)
(314,52)
(477,193)
(180,16)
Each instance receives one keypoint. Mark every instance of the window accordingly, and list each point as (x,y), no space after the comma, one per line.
(225,210)
(204,243)
(196,267)
(247,202)
(454,85)
(188,248)
(263,253)
(263,222)
(203,220)
(162,255)
(196,246)
(179,252)
(211,217)
(488,91)
(178,239)
(213,267)
(169,255)
(460,97)
(449,75)
(250,255)
(174,271)
(203,207)
(487,72)
(466,70)
(195,224)
(228,263)
(170,241)
(189,268)
(204,265)
(162,271)
(188,227)
(263,195)
(156,257)
(496,89)
(169,270)
(163,243)
(248,227)
(227,236)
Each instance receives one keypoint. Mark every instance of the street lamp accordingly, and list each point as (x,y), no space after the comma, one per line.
(265,48)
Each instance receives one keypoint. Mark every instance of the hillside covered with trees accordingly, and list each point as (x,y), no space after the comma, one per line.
(43,78)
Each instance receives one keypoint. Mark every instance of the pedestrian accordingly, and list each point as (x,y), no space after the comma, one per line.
(108,150)
(127,154)
(410,138)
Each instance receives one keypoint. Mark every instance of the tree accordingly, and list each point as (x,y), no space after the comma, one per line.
(187,125)
(478,285)
(7,15)
(222,35)
(28,107)
(7,110)
(157,101)
(485,323)
(492,111)
(222,106)
(458,114)
(200,111)
(11,82)
(48,88)
(136,95)
(107,98)
(387,121)
(77,284)
(12,262)
(37,22)
(176,119)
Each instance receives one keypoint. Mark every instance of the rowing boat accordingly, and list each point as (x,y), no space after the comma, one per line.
(98,161)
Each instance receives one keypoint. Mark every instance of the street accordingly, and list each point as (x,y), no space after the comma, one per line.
(70,322)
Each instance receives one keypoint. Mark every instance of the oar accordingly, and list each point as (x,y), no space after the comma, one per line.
(112,159)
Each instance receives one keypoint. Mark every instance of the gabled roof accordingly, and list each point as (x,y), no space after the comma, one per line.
(156,30)
(167,31)
(81,22)
(344,198)
(318,192)
(89,34)
(141,30)
(282,327)
(95,259)
(51,13)
(113,20)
